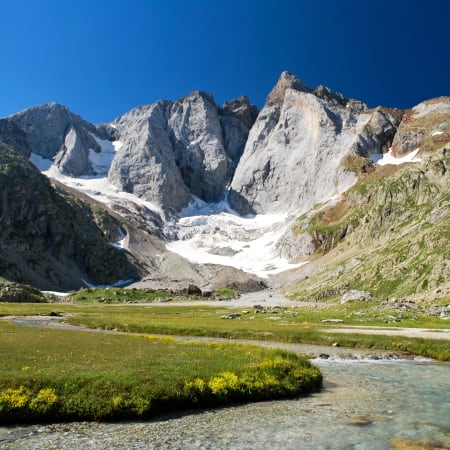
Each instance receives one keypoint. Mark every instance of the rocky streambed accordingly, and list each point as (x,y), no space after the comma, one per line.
(366,403)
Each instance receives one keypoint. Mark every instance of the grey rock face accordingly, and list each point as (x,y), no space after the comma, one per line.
(426,126)
(291,245)
(53,132)
(294,156)
(145,164)
(173,150)
(12,135)
(237,117)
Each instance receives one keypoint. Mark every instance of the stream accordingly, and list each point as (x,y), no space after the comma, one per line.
(365,403)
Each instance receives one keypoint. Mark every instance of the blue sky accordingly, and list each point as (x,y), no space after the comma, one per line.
(103,57)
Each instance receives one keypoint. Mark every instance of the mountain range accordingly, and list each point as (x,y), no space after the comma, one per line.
(316,191)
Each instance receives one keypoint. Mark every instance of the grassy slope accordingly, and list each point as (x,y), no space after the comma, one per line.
(397,224)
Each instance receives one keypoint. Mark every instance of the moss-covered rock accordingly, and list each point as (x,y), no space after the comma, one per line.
(20,293)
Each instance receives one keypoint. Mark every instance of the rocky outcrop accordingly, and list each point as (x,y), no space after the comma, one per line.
(174,150)
(425,127)
(387,235)
(49,239)
(301,150)
(12,135)
(53,132)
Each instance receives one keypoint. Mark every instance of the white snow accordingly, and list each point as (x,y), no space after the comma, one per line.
(387,158)
(101,161)
(436,133)
(249,243)
(120,244)
(246,243)
(42,164)
(96,187)
(59,294)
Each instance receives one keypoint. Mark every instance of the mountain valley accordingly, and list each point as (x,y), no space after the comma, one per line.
(317,193)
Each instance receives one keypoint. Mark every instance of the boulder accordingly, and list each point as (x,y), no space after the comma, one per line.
(355,295)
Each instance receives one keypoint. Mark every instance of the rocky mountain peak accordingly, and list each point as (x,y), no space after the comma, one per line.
(55,133)
(286,81)
(199,95)
(242,109)
(301,149)
(331,97)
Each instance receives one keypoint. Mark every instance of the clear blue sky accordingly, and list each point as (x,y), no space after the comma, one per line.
(103,57)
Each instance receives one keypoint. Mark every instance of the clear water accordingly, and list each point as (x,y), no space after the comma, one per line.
(364,405)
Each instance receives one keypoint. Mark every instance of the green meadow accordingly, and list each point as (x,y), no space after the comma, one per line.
(59,375)
(65,375)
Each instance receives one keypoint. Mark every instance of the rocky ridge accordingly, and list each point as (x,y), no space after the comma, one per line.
(306,147)
(173,151)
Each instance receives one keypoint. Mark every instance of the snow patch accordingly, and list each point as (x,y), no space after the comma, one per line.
(205,233)
(96,187)
(101,161)
(58,294)
(41,163)
(212,233)
(383,159)
(436,133)
(120,244)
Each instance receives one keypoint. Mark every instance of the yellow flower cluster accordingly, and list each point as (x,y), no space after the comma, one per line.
(225,382)
(23,398)
(273,377)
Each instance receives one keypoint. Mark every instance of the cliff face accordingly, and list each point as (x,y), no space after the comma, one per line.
(172,151)
(47,238)
(300,150)
(54,133)
(425,127)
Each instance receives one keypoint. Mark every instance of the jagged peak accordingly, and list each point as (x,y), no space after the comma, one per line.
(200,94)
(286,81)
(330,96)
(243,100)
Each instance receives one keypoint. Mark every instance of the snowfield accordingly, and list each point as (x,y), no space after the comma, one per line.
(212,233)
(206,233)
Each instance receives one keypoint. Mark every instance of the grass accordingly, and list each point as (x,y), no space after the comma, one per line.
(288,325)
(117,295)
(60,375)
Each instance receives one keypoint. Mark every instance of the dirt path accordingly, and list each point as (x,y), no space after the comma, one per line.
(427,333)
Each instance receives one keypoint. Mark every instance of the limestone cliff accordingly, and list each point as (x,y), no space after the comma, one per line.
(53,132)
(174,150)
(302,148)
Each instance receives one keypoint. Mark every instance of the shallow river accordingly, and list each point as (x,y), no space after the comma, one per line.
(365,404)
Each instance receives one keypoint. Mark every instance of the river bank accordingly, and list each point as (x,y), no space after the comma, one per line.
(364,404)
